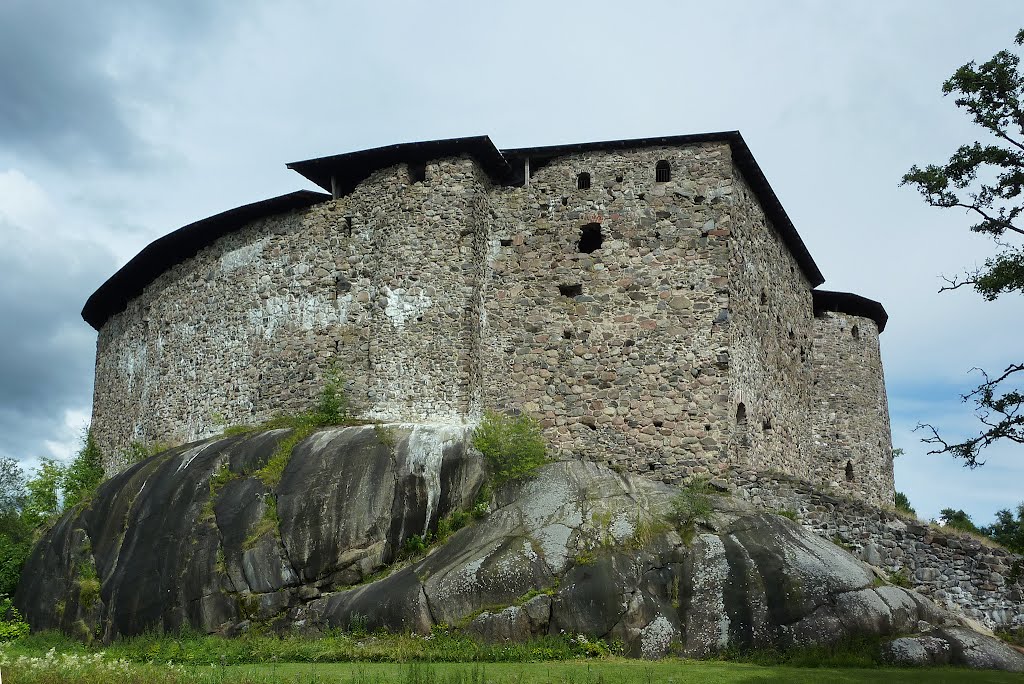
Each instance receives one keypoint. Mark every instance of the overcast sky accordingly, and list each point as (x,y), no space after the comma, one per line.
(120,125)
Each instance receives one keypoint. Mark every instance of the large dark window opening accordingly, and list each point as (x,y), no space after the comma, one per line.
(662,172)
(583,181)
(591,238)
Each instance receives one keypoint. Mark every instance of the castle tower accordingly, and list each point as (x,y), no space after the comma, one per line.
(850,416)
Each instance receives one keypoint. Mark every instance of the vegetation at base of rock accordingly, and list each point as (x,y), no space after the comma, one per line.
(30,505)
(903,504)
(332,408)
(787,513)
(356,645)
(512,446)
(692,507)
(140,451)
(438,658)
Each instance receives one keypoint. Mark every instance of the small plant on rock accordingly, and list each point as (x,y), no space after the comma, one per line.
(901,578)
(691,507)
(512,446)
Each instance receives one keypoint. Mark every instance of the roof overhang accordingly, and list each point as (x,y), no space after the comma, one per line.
(128,283)
(849,303)
(341,173)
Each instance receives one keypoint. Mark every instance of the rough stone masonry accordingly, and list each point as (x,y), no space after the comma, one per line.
(649,301)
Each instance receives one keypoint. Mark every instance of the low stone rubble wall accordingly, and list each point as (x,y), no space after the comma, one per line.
(957,571)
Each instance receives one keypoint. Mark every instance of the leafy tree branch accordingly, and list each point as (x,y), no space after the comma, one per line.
(987,180)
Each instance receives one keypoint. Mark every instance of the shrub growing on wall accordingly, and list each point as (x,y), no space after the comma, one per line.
(512,445)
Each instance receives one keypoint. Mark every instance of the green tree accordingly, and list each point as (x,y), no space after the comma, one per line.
(15,533)
(83,475)
(986,179)
(42,500)
(1007,529)
(958,520)
(903,504)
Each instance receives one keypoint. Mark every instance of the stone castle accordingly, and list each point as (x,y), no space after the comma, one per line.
(648,301)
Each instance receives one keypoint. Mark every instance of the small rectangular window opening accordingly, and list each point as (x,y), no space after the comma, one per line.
(570,290)
(417,172)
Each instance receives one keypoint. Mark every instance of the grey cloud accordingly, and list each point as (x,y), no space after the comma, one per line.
(58,96)
(46,349)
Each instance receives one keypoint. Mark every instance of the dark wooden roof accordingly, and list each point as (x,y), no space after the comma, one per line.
(352,168)
(113,296)
(848,303)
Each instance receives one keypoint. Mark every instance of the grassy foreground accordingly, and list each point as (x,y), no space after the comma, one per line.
(440,658)
(612,670)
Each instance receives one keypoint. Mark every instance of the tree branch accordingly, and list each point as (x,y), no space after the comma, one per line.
(1006,225)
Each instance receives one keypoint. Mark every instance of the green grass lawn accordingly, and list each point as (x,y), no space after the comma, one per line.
(606,671)
(600,671)
(440,658)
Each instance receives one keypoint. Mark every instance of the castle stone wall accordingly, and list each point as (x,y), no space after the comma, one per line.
(379,284)
(850,416)
(632,367)
(956,570)
(437,297)
(770,345)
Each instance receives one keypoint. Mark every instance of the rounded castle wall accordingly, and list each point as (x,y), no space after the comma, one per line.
(850,416)
(378,283)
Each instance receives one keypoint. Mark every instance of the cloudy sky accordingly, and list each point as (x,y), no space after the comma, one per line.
(119,125)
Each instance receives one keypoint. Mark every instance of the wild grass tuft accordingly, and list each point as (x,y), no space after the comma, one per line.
(692,507)
(269,523)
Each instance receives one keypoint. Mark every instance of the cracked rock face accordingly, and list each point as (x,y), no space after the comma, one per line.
(577,549)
